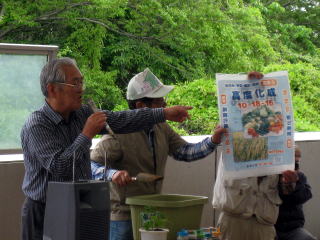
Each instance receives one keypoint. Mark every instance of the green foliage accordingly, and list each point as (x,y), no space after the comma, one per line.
(152,219)
(201,94)
(180,41)
(100,87)
(291,40)
(252,37)
(306,117)
(80,44)
(300,12)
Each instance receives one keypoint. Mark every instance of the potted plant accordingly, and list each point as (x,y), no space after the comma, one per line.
(152,224)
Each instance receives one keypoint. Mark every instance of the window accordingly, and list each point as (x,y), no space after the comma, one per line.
(20,93)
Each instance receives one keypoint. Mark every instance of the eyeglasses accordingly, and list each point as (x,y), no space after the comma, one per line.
(79,85)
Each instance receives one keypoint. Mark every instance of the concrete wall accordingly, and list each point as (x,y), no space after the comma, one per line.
(310,165)
(11,199)
(196,178)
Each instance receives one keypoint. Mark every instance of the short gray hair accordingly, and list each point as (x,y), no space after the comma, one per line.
(52,72)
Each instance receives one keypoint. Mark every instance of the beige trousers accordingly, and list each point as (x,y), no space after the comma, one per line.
(237,228)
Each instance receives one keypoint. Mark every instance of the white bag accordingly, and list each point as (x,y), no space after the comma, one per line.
(219,190)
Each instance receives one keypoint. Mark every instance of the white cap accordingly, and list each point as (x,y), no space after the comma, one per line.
(146,84)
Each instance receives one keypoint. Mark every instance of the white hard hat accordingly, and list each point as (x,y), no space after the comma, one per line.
(146,84)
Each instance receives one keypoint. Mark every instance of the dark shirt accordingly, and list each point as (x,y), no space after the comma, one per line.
(49,144)
(291,214)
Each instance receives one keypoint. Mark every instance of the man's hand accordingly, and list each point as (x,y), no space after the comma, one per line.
(289,177)
(121,178)
(217,135)
(177,113)
(255,75)
(94,124)
(288,181)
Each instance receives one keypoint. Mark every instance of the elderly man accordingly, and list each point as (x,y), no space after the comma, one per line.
(145,151)
(64,127)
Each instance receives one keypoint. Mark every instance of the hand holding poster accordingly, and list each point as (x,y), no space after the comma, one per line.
(259,119)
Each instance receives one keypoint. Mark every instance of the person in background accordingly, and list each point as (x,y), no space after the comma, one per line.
(294,191)
(145,151)
(63,127)
(251,205)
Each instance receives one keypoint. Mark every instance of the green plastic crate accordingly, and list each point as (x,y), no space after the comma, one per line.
(181,211)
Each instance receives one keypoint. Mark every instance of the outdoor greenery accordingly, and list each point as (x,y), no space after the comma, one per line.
(184,42)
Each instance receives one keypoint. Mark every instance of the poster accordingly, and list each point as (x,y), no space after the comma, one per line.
(258,116)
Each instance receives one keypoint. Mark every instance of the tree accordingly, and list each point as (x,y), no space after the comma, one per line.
(179,40)
(288,25)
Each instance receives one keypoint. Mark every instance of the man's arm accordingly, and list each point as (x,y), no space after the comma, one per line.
(194,151)
(140,119)
(98,170)
(120,177)
(109,150)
